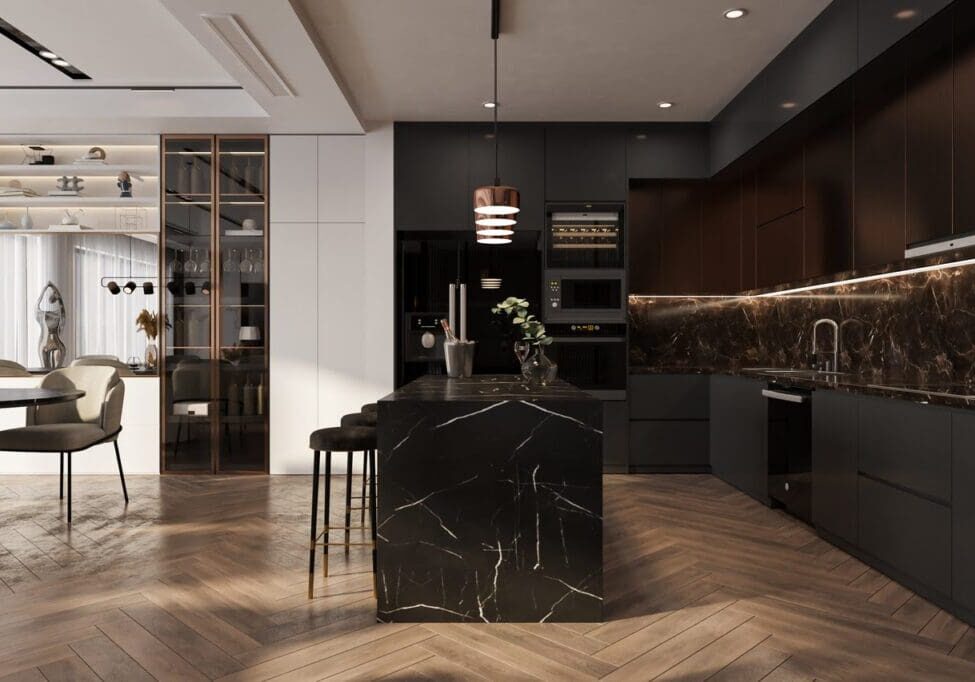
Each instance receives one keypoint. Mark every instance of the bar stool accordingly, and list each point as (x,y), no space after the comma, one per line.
(349,439)
(367,420)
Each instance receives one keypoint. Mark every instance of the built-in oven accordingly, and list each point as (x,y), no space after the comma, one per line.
(790,449)
(584,296)
(591,356)
(584,236)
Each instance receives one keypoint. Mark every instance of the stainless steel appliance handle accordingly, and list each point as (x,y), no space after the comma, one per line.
(783,395)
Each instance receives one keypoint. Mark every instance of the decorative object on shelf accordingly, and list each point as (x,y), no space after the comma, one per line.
(51,316)
(134,362)
(131,219)
(68,187)
(5,223)
(495,205)
(536,368)
(125,185)
(249,224)
(249,335)
(232,355)
(26,222)
(15,189)
(148,322)
(260,395)
(95,155)
(232,262)
(33,156)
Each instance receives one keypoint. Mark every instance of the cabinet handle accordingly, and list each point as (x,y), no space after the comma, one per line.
(782,395)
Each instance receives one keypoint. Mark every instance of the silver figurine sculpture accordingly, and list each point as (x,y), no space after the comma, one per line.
(51,315)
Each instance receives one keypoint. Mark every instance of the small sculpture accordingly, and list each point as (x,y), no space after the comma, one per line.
(125,185)
(51,315)
(72,184)
(70,218)
(95,154)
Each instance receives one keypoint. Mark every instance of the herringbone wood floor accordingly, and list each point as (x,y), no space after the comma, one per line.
(205,577)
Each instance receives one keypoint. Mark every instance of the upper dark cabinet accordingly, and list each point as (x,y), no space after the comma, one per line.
(721,235)
(883,22)
(928,59)
(964,116)
(661,150)
(680,238)
(521,163)
(644,237)
(780,183)
(585,163)
(779,249)
(879,161)
(431,190)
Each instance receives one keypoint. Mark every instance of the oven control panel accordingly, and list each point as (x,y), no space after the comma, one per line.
(554,293)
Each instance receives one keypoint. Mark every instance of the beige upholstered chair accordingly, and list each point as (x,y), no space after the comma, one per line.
(104,361)
(77,425)
(9,368)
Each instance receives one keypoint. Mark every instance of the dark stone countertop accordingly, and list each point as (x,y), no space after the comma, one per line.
(486,387)
(936,392)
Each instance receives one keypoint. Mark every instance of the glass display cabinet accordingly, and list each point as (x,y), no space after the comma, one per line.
(214,245)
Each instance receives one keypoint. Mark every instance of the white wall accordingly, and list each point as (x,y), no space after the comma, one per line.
(331,292)
(138,443)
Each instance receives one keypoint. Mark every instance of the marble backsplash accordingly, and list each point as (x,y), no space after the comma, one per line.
(917,327)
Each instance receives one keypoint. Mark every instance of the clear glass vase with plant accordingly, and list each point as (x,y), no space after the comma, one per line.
(536,368)
(148,322)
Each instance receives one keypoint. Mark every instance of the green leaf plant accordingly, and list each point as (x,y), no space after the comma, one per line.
(532,330)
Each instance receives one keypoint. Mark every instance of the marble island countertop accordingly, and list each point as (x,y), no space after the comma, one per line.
(487,387)
(936,391)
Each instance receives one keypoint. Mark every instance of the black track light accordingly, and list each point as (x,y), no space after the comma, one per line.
(114,288)
(148,288)
(129,287)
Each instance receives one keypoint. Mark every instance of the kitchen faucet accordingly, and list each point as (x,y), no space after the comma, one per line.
(836,343)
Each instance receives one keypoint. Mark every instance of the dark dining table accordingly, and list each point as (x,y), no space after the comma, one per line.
(32,397)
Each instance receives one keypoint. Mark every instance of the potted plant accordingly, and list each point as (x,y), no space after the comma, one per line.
(530,347)
(148,322)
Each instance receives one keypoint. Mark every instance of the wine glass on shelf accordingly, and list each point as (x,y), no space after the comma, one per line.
(247,264)
(178,262)
(192,265)
(231,262)
(204,266)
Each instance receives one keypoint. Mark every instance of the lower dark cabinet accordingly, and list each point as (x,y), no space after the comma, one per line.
(616,432)
(739,427)
(909,533)
(669,446)
(963,510)
(834,463)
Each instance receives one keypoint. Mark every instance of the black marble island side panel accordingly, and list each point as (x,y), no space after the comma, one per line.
(490,510)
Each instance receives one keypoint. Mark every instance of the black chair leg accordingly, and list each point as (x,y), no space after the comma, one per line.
(328,508)
(371,455)
(362,497)
(121,474)
(69,488)
(62,477)
(314,528)
(348,500)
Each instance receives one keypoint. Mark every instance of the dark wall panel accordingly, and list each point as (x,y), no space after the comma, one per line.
(662,150)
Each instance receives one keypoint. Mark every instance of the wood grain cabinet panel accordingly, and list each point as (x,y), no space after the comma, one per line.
(749,224)
(964,115)
(721,235)
(644,225)
(680,238)
(779,249)
(879,150)
(929,129)
(780,184)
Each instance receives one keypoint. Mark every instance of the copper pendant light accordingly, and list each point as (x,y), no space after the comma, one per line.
(495,206)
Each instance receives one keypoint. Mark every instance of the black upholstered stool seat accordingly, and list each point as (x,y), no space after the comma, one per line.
(347,438)
(369,408)
(360,419)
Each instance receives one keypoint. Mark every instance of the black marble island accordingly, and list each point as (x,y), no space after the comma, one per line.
(490,502)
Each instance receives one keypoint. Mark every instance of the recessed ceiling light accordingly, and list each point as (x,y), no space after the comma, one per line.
(905,14)
(788,104)
(59,62)
(736,13)
(490,105)
(39,51)
(47,54)
(641,136)
(665,105)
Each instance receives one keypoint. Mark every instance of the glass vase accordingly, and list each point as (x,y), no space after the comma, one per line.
(538,370)
(152,355)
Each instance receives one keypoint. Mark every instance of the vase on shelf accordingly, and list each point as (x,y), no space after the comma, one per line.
(152,354)
(538,370)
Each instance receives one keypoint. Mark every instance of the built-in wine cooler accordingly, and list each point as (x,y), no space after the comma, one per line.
(215,385)
(584,236)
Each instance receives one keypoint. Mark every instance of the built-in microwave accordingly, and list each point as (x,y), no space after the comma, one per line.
(584,296)
(584,236)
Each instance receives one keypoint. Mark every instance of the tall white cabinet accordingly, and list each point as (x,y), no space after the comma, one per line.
(330,324)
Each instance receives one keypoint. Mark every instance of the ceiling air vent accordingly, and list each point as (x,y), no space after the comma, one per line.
(234,36)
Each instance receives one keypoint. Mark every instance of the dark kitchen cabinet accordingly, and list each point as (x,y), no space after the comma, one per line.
(828,181)
(879,158)
(748,234)
(431,190)
(616,431)
(521,163)
(883,22)
(779,249)
(834,463)
(739,425)
(644,237)
(680,238)
(928,57)
(906,445)
(721,235)
(669,429)
(910,534)
(779,183)
(585,163)
(667,150)
(963,509)
(964,115)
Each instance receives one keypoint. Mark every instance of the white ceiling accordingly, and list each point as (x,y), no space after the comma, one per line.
(561,60)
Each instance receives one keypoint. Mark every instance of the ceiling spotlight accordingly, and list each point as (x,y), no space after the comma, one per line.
(113,287)
(905,14)
(789,104)
(641,136)
(665,105)
(736,13)
(148,288)
(47,54)
(59,62)
(129,287)
(490,105)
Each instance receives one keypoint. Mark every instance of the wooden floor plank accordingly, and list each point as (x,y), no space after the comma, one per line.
(108,660)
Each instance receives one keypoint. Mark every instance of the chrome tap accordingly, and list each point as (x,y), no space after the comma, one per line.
(836,343)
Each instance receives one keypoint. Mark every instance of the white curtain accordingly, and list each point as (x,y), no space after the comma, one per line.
(98,322)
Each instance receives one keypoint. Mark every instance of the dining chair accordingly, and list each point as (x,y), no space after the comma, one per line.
(9,368)
(104,361)
(74,426)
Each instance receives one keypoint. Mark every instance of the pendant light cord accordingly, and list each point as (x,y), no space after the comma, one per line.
(497,177)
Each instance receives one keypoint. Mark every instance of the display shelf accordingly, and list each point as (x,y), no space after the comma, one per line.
(19,170)
(76,202)
(42,231)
